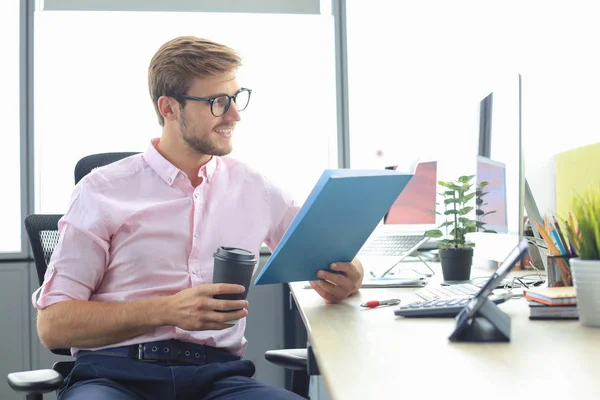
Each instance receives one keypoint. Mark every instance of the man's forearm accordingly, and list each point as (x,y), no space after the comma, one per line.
(84,324)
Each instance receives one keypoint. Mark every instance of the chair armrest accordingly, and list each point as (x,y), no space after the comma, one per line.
(296,359)
(36,381)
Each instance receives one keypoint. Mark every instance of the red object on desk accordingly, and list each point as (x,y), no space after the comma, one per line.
(377,303)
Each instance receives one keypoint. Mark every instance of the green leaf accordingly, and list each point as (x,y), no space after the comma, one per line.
(489,212)
(470,228)
(447,223)
(479,202)
(433,233)
(468,197)
(450,212)
(483,184)
(444,244)
(465,210)
(450,201)
(466,178)
(464,220)
(479,212)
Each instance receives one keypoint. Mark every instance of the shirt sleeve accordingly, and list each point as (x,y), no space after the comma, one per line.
(283,210)
(80,258)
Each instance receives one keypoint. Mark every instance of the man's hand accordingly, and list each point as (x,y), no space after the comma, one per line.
(336,287)
(194,309)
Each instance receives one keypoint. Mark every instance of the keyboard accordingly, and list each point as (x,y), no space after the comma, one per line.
(392,245)
(459,290)
(443,308)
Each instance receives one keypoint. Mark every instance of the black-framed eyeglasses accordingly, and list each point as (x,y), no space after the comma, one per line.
(219,105)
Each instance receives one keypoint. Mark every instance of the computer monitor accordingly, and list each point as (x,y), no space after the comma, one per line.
(485,125)
(494,201)
(416,204)
(500,139)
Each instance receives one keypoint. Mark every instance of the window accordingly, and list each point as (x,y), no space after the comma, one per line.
(10,154)
(92,94)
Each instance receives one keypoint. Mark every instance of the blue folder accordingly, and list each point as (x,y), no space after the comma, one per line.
(339,215)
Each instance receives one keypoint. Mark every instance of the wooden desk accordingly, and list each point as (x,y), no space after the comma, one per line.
(371,354)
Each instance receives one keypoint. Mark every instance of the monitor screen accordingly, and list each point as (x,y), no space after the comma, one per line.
(494,201)
(500,140)
(416,203)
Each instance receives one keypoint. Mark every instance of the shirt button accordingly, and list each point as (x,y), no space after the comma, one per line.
(194,272)
(195,195)
(181,176)
(170,180)
(195,235)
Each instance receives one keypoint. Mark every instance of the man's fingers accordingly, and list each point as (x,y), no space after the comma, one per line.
(223,288)
(325,295)
(348,269)
(221,317)
(348,284)
(329,291)
(224,305)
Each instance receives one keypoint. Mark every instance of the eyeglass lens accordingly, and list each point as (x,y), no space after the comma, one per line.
(221,104)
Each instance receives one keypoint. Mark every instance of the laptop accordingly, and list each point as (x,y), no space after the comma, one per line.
(402,230)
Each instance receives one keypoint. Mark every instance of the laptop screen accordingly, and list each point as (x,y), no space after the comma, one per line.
(416,203)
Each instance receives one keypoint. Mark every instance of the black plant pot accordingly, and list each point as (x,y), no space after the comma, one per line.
(456,264)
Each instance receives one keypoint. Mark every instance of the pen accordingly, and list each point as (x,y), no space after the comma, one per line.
(561,248)
(561,236)
(377,303)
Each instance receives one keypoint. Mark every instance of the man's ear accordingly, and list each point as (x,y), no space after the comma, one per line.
(168,107)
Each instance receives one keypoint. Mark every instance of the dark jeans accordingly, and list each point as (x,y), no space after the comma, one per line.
(99,377)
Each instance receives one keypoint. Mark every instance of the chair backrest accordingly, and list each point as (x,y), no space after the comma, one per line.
(42,230)
(93,161)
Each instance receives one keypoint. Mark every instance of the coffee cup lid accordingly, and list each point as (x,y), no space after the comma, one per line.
(233,253)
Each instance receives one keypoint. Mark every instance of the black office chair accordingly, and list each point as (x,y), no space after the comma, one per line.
(43,234)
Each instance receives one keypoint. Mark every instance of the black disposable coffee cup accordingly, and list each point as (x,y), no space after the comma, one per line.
(233,265)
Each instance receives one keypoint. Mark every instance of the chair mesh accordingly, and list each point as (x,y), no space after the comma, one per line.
(49,241)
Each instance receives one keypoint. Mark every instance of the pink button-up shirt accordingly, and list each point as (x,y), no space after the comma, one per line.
(137,229)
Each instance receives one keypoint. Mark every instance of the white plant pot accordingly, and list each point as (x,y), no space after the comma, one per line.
(586,279)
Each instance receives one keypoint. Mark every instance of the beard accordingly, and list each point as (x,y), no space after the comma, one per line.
(201,145)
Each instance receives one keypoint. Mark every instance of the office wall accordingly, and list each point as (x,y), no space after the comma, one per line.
(16,322)
(559,113)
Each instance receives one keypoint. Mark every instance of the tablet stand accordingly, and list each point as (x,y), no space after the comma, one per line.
(489,324)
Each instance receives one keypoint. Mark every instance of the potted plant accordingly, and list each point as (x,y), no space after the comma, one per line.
(585,268)
(461,197)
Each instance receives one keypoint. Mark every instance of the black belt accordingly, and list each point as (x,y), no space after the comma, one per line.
(168,350)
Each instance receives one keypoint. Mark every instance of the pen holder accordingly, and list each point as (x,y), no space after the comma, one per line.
(559,271)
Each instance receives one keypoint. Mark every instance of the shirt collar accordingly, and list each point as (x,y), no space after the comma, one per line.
(167,171)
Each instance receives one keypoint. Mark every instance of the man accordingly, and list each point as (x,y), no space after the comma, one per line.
(129,287)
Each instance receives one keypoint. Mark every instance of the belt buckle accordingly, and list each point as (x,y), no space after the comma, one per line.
(140,354)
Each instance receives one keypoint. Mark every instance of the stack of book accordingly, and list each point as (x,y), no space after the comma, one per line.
(552,303)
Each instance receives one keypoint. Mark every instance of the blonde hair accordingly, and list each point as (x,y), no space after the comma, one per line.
(180,60)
